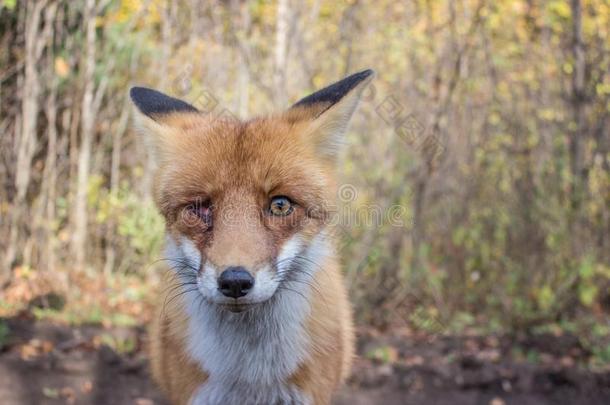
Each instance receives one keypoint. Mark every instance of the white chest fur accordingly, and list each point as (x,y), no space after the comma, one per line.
(249,356)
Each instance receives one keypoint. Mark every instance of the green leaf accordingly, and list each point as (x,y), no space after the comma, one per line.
(546,297)
(10,4)
(587,294)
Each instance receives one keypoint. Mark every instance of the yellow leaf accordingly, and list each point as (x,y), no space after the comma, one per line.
(62,69)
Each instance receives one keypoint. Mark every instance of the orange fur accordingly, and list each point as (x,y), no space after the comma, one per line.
(236,168)
(172,369)
(203,170)
(329,326)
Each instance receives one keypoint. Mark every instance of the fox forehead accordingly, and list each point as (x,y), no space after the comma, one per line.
(208,157)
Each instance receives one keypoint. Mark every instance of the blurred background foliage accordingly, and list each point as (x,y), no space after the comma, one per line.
(484,142)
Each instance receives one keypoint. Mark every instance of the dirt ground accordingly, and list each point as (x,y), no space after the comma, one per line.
(45,363)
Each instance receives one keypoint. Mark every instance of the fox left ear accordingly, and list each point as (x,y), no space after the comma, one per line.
(329,111)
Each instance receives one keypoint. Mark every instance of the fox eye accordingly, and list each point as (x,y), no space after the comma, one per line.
(199,211)
(280,206)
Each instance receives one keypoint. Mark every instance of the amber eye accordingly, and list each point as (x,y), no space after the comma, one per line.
(280,206)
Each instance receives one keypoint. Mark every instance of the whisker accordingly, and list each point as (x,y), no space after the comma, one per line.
(201,302)
(169,300)
(289,275)
(313,287)
(186,262)
(283,287)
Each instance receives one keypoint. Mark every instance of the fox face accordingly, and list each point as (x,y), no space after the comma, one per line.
(246,203)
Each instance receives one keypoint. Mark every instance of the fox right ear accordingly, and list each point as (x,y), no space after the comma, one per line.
(155,104)
(152,113)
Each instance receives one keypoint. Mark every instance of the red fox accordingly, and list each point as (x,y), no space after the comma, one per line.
(254,310)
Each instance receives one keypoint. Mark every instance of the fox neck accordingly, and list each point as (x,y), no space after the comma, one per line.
(264,345)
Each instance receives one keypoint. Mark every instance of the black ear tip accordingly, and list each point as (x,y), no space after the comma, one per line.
(153,102)
(366,73)
(137,94)
(358,77)
(335,92)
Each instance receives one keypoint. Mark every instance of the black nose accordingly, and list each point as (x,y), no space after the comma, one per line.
(235,282)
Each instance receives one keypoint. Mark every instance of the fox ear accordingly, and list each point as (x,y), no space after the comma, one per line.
(155,104)
(329,111)
(152,111)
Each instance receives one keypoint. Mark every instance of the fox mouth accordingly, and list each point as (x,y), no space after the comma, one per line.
(238,307)
(242,304)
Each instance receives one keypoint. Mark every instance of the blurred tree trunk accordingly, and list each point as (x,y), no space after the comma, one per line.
(115,165)
(241,30)
(349,33)
(243,89)
(49,180)
(431,148)
(34,251)
(26,140)
(80,217)
(118,133)
(578,101)
(281,48)
(164,78)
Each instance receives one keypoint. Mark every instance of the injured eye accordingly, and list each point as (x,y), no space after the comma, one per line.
(199,211)
(280,206)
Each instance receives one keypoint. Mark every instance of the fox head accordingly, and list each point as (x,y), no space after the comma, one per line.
(246,203)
